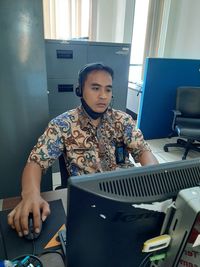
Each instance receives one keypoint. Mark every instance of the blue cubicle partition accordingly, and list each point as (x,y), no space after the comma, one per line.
(161,78)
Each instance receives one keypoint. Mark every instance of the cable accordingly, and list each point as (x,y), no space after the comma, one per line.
(145,260)
(18,260)
(53,251)
(3,241)
(34,247)
(25,259)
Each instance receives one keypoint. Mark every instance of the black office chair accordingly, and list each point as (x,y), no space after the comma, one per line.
(186,121)
(63,173)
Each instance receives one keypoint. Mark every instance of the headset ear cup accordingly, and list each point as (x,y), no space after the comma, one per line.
(78,91)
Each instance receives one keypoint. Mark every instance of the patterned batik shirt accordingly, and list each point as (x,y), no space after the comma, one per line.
(88,148)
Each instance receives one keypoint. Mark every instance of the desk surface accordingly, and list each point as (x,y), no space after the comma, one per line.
(49,260)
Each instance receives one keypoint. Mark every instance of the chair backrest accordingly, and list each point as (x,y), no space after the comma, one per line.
(188,101)
(63,171)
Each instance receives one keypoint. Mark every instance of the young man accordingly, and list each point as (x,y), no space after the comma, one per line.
(94,138)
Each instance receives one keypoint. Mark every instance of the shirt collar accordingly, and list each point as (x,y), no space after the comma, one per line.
(85,120)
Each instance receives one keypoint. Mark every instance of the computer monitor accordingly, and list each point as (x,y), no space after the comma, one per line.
(110,215)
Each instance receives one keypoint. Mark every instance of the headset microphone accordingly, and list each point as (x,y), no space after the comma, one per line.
(78,91)
(112,101)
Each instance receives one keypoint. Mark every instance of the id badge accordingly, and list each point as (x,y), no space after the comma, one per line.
(120,153)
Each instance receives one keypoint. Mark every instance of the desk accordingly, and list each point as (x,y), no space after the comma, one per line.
(10,203)
(49,260)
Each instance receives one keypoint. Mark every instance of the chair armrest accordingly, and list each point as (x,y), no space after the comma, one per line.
(176,114)
(63,171)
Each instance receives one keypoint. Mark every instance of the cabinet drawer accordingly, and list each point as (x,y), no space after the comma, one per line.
(64,60)
(62,94)
(117,57)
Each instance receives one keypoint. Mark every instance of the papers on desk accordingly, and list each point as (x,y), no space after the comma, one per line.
(155,206)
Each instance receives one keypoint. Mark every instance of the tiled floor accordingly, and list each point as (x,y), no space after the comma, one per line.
(174,154)
(56,179)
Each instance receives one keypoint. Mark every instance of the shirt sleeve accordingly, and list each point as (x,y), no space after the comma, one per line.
(134,140)
(49,147)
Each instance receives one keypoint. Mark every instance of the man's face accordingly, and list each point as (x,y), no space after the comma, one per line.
(97,90)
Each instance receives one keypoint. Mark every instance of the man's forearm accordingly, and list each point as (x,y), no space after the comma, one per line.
(147,158)
(31,179)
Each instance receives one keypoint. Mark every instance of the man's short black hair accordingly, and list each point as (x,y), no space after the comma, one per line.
(83,73)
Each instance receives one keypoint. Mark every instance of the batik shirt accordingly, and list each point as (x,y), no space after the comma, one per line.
(88,148)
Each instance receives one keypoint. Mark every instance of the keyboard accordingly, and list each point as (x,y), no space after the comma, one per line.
(63,241)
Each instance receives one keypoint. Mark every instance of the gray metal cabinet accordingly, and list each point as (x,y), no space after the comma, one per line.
(59,99)
(65,58)
(117,56)
(63,61)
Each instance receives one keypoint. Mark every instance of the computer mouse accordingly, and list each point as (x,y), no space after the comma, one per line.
(32,234)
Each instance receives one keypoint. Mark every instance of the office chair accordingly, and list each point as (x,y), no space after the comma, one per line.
(186,121)
(63,172)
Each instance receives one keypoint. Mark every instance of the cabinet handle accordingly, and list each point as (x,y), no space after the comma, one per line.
(64,53)
(65,88)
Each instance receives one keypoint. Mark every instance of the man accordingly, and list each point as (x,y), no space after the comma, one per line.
(94,138)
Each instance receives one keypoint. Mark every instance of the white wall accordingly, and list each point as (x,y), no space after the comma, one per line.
(183,33)
(112,20)
(180,38)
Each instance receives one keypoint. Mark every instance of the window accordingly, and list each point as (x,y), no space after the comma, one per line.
(66,19)
(138,41)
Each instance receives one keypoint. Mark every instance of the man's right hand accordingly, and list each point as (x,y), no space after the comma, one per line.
(30,203)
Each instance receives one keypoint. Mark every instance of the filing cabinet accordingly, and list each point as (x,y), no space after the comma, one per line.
(64,59)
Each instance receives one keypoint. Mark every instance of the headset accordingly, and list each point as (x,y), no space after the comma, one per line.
(82,75)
